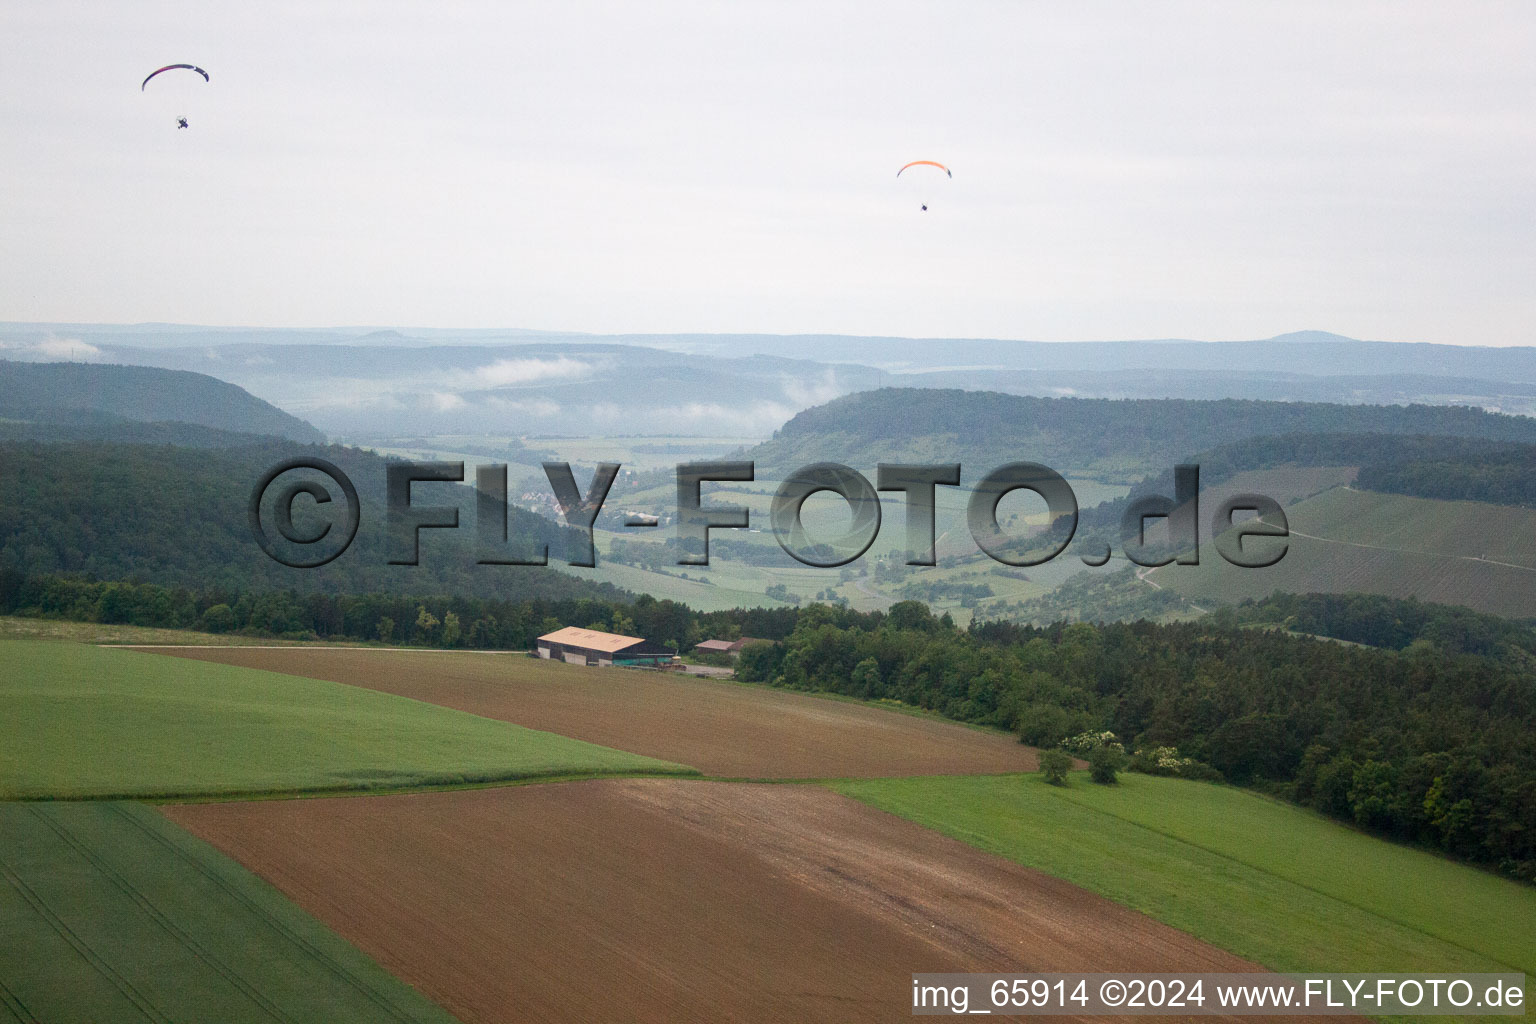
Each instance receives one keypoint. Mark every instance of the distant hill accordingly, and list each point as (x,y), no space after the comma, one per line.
(1124,439)
(178,516)
(1317,353)
(383,384)
(70,393)
(1233,382)
(379,382)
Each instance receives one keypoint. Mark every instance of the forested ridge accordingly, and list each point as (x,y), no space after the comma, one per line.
(983,429)
(41,391)
(178,516)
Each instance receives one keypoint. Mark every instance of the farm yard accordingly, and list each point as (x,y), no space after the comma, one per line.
(542,893)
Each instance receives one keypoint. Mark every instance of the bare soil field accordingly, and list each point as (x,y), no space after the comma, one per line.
(667,900)
(723,729)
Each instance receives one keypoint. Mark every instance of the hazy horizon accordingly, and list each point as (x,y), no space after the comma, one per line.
(1194,170)
(468,334)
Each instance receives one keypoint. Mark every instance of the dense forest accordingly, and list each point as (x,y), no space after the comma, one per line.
(178,516)
(982,430)
(1427,740)
(1428,746)
(1505,475)
(39,391)
(1393,623)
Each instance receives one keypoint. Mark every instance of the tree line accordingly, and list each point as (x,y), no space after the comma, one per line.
(1428,745)
(430,621)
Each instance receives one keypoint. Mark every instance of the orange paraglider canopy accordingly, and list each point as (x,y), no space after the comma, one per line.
(926,163)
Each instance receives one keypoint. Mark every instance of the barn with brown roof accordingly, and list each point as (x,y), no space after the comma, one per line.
(592,647)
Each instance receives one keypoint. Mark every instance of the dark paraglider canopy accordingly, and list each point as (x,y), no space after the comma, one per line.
(179,89)
(174,67)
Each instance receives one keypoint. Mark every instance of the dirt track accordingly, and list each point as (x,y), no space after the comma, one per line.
(665,900)
(723,729)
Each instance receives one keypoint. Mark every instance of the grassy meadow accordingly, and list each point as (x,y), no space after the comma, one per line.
(82,722)
(1268,881)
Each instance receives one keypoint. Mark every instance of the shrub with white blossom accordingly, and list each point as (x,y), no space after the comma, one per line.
(1084,742)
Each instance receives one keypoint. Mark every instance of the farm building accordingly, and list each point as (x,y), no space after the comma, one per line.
(731,647)
(590,647)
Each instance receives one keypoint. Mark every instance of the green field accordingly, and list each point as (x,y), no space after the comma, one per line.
(1273,883)
(1451,552)
(110,912)
(83,722)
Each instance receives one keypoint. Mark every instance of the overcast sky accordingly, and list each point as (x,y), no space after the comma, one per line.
(1213,170)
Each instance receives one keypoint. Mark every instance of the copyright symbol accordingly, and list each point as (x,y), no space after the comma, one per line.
(282,514)
(1112,992)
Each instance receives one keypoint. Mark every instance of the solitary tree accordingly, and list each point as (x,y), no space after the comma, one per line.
(1104,761)
(1054,765)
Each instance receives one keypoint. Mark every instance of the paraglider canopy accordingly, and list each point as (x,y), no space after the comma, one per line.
(914,163)
(174,67)
(921,183)
(175,92)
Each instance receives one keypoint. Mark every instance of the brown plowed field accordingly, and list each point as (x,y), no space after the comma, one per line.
(666,900)
(723,729)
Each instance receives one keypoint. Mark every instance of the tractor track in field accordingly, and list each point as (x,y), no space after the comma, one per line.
(660,900)
(724,729)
